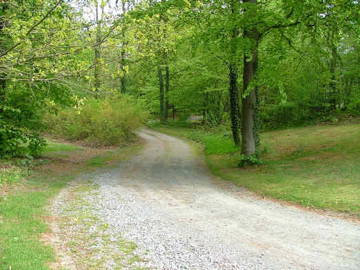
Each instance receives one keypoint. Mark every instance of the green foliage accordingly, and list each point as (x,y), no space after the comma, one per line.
(354,106)
(249,160)
(307,70)
(19,142)
(101,122)
(282,115)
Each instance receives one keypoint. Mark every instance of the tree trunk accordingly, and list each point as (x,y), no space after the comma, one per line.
(333,95)
(234,103)
(162,95)
(123,52)
(4,7)
(167,89)
(249,98)
(206,108)
(97,83)
(233,76)
(123,72)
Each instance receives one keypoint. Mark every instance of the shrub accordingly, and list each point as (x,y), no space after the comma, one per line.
(19,142)
(100,122)
(282,115)
(354,107)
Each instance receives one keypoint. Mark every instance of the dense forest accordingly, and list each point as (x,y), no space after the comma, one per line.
(249,65)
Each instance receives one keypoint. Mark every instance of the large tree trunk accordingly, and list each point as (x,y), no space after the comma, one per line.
(249,100)
(162,95)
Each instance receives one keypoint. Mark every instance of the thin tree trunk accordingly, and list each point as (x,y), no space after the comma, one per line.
(249,99)
(206,108)
(123,72)
(4,7)
(123,52)
(233,85)
(97,83)
(234,103)
(162,95)
(332,85)
(167,89)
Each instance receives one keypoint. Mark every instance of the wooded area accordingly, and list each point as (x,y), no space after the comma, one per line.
(119,119)
(251,65)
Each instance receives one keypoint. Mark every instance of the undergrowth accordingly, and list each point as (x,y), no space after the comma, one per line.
(99,122)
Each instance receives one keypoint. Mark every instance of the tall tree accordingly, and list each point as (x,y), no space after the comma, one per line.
(249,95)
(233,76)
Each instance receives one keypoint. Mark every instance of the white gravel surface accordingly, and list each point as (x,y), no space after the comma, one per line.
(166,202)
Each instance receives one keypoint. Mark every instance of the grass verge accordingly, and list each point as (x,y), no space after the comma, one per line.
(23,203)
(316,166)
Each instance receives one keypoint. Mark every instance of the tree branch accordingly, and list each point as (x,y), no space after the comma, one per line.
(32,28)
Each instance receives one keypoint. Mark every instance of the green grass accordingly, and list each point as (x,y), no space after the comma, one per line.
(11,173)
(23,208)
(22,225)
(112,155)
(60,147)
(315,166)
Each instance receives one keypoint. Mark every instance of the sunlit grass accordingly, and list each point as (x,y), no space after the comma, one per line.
(60,147)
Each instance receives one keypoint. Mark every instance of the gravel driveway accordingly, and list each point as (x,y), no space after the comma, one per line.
(180,217)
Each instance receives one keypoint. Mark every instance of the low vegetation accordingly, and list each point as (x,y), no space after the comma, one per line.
(314,166)
(100,122)
(23,214)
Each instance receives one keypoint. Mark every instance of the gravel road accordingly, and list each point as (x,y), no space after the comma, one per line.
(180,217)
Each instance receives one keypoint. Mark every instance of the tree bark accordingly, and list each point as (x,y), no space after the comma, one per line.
(249,98)
(234,103)
(123,52)
(123,72)
(97,83)
(167,89)
(233,84)
(4,7)
(162,95)
(332,93)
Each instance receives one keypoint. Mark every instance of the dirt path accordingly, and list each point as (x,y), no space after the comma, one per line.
(162,210)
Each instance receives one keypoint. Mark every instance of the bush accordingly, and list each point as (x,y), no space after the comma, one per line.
(354,107)
(19,142)
(101,122)
(283,115)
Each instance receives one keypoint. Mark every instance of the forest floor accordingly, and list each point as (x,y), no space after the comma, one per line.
(163,209)
(315,166)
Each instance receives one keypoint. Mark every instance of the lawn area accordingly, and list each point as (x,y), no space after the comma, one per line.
(316,166)
(25,193)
